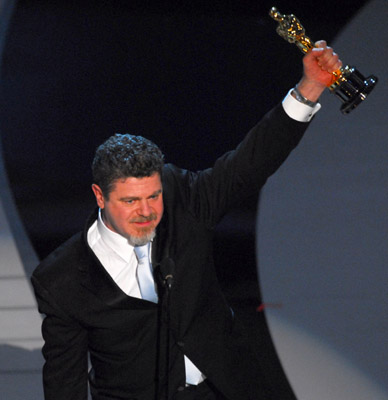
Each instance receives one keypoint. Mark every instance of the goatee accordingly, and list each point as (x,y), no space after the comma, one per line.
(141,240)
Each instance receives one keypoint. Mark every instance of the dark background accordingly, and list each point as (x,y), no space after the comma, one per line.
(192,76)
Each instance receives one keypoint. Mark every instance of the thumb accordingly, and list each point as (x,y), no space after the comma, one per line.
(320,44)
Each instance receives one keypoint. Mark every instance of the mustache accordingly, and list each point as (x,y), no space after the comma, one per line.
(150,218)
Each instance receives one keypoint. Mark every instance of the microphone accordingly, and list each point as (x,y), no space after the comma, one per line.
(169,280)
(166,268)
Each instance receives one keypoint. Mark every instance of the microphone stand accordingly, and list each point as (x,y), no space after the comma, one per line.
(164,285)
(168,285)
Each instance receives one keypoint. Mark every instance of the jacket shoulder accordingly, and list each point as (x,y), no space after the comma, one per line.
(62,263)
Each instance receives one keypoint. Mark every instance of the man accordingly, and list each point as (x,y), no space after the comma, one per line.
(156,326)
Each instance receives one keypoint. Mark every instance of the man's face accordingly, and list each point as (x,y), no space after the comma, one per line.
(134,208)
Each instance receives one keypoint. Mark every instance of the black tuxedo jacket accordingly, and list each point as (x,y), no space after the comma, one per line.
(127,338)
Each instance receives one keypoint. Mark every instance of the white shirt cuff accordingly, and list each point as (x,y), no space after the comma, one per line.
(297,110)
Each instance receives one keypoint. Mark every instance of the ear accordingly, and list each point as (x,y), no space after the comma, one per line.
(99,196)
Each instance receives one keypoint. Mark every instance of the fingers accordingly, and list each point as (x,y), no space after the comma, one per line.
(321,44)
(326,58)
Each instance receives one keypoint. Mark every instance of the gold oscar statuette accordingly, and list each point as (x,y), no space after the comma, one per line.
(348,84)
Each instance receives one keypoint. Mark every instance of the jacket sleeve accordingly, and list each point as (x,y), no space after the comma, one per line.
(241,173)
(65,371)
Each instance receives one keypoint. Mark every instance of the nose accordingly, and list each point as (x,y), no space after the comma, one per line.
(144,209)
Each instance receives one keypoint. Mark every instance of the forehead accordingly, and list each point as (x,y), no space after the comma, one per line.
(139,187)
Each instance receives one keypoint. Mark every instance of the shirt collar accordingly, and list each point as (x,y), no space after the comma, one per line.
(115,241)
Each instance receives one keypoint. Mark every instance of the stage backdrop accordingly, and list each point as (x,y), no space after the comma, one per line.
(20,339)
(322,238)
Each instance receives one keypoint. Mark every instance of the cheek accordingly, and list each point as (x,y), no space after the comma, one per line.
(122,215)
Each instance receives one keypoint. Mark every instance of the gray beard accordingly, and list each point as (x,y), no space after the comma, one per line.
(141,240)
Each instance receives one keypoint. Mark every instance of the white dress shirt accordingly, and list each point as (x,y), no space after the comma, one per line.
(116,255)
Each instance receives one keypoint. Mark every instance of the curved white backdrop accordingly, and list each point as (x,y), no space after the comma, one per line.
(322,237)
(20,337)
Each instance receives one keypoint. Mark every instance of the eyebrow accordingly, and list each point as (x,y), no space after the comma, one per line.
(157,192)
